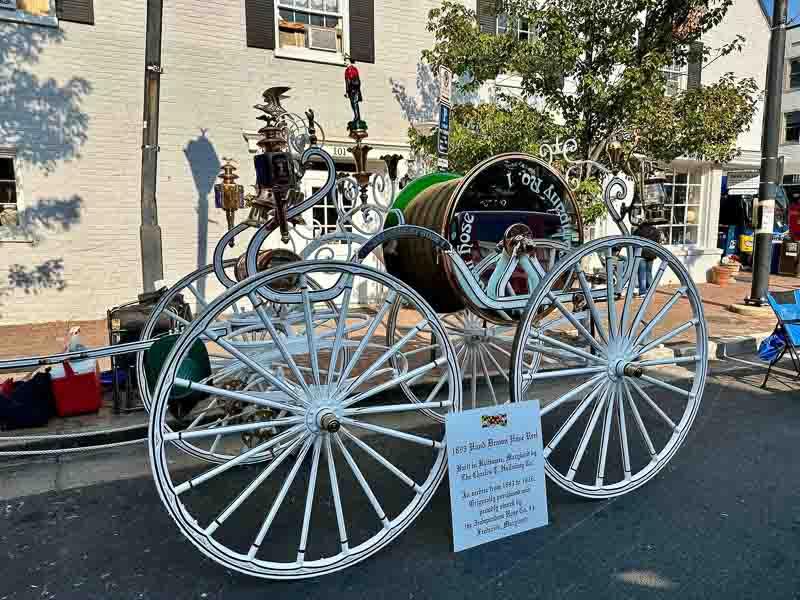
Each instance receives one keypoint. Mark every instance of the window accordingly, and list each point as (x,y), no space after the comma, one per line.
(40,12)
(521,27)
(683,208)
(325,215)
(676,77)
(794,73)
(8,192)
(311,25)
(792,127)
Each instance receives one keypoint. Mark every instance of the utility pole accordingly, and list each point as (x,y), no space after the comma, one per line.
(770,138)
(149,231)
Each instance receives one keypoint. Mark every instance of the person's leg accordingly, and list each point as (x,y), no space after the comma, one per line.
(649,273)
(642,273)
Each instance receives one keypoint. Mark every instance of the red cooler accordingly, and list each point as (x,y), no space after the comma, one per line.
(76,388)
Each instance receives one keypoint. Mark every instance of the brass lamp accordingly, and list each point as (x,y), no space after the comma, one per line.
(229,195)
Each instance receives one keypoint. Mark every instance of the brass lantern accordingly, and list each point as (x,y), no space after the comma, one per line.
(229,195)
(654,198)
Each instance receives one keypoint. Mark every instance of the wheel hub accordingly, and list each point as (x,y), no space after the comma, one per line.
(324,413)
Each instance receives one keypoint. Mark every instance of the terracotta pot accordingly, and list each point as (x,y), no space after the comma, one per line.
(721,274)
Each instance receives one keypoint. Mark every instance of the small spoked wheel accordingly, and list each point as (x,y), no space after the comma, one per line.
(353,462)
(617,397)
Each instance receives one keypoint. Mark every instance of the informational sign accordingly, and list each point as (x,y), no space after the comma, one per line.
(496,469)
(444,142)
(445,84)
(443,163)
(767,209)
(444,118)
(743,182)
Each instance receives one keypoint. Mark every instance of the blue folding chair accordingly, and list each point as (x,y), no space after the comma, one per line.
(786,306)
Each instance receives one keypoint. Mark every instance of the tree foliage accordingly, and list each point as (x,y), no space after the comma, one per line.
(612,54)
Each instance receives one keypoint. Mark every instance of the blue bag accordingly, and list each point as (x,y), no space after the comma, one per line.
(772,346)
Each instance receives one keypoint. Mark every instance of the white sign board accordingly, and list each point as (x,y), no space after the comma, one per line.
(743,182)
(445,84)
(443,163)
(496,469)
(767,216)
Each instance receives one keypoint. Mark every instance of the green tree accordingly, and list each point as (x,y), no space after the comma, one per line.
(614,53)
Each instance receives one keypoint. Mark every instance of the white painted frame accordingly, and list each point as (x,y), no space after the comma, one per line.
(20,16)
(307,54)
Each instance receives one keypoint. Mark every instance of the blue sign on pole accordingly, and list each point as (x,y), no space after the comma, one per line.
(444,118)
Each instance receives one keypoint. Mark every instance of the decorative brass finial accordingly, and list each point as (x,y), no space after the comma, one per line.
(229,195)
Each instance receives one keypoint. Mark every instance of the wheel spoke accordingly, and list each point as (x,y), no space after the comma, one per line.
(648,298)
(563,346)
(576,324)
(653,405)
(278,459)
(679,360)
(589,299)
(281,385)
(362,482)
(369,371)
(626,308)
(486,375)
(337,498)
(244,397)
(406,378)
(219,469)
(658,316)
(197,295)
(340,326)
(601,465)
(666,337)
(276,504)
(574,393)
(496,364)
(382,460)
(310,335)
(623,436)
(612,305)
(393,408)
(665,385)
(312,485)
(230,429)
(587,435)
(390,299)
(564,373)
(401,435)
(637,417)
(579,410)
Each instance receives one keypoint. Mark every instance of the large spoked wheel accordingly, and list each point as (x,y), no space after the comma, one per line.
(353,462)
(203,411)
(616,401)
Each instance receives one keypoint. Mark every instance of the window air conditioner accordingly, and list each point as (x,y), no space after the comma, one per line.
(322,38)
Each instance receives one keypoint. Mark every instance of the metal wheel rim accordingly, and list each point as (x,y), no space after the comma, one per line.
(694,396)
(160,467)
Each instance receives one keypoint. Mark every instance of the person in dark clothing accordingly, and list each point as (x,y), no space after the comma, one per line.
(650,232)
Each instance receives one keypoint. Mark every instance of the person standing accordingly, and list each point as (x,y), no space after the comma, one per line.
(653,233)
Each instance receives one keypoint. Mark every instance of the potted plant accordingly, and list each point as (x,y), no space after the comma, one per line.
(721,274)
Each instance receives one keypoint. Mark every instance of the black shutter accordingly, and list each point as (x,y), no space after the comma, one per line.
(487,16)
(259,18)
(695,68)
(77,11)
(362,30)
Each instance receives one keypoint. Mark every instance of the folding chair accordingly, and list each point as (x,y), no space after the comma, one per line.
(786,306)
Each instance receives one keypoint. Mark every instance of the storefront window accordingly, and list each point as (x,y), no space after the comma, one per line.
(683,208)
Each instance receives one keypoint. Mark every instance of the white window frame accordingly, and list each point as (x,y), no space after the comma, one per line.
(12,233)
(517,30)
(20,16)
(676,72)
(785,125)
(308,54)
(694,182)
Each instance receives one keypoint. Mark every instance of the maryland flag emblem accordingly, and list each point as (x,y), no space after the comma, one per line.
(500,420)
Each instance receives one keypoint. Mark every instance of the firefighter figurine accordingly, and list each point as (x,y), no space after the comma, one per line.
(352,82)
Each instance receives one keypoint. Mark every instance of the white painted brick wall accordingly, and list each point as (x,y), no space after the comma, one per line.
(212,80)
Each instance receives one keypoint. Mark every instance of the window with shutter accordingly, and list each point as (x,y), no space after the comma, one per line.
(792,127)
(76,11)
(487,16)
(794,73)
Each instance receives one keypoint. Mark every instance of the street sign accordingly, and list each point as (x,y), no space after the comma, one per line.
(442,163)
(444,118)
(445,84)
(743,182)
(496,470)
(444,142)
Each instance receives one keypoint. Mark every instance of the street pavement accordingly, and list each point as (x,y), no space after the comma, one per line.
(721,521)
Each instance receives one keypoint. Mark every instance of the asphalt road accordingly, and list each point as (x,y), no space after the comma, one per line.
(721,521)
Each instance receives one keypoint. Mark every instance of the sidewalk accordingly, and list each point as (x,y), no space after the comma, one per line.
(729,333)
